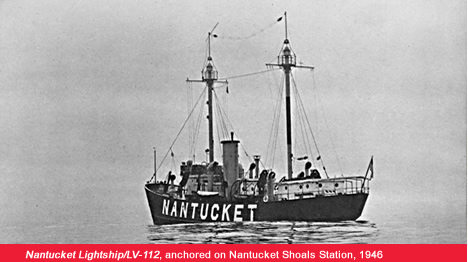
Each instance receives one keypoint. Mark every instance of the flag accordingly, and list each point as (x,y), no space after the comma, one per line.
(318,158)
(371,168)
(227,89)
(279,19)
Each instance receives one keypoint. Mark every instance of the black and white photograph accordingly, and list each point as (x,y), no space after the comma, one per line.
(233,122)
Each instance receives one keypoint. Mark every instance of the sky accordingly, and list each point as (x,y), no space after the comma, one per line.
(88,88)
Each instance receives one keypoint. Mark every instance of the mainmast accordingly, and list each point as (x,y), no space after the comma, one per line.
(287,60)
(210,76)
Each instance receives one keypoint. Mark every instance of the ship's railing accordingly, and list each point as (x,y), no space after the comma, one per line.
(288,190)
(304,189)
(248,187)
(162,188)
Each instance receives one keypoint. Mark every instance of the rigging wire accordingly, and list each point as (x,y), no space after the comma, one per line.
(221,124)
(219,117)
(326,123)
(192,124)
(310,128)
(257,60)
(231,126)
(249,74)
(273,139)
(261,30)
(197,130)
(300,115)
(302,120)
(221,127)
(217,129)
(178,134)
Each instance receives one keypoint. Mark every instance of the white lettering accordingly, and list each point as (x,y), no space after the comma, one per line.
(194,207)
(165,208)
(213,208)
(252,207)
(183,209)
(237,213)
(225,213)
(174,209)
(204,215)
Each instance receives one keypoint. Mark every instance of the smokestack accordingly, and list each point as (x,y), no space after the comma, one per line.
(230,162)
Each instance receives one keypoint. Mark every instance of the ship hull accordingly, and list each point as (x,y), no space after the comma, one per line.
(168,210)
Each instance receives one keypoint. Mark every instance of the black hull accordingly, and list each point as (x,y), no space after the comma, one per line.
(167,210)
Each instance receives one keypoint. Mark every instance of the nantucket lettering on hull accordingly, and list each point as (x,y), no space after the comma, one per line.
(209,211)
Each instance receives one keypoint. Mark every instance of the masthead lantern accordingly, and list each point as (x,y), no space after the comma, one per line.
(210,72)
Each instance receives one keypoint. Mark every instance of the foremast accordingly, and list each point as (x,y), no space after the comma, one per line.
(210,76)
(286,61)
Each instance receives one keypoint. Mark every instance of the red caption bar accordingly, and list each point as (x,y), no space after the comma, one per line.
(231,252)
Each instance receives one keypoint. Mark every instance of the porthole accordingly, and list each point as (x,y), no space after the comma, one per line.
(285,188)
(336,184)
(300,187)
(320,185)
(307,186)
